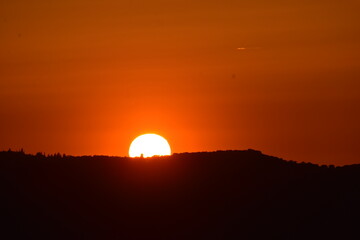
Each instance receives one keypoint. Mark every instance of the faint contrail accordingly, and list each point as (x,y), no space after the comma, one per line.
(245,48)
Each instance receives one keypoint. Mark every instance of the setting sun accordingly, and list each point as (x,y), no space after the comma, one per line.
(148,145)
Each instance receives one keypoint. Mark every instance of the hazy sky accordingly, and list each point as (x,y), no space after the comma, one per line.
(86,77)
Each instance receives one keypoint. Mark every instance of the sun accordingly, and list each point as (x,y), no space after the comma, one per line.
(148,145)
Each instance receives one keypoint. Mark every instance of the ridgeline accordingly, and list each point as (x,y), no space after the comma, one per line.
(207,195)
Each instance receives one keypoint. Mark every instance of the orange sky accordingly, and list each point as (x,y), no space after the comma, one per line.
(86,77)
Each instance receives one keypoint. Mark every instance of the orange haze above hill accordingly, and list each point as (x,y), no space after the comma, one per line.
(87,77)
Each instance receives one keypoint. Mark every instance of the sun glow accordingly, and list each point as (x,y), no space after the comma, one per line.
(148,145)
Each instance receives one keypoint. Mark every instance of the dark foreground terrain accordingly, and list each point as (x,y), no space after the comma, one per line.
(217,195)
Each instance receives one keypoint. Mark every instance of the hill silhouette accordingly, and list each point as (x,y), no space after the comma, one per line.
(207,195)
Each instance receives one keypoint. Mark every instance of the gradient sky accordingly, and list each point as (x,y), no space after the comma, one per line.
(86,77)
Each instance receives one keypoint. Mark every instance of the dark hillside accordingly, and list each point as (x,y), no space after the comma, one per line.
(210,195)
